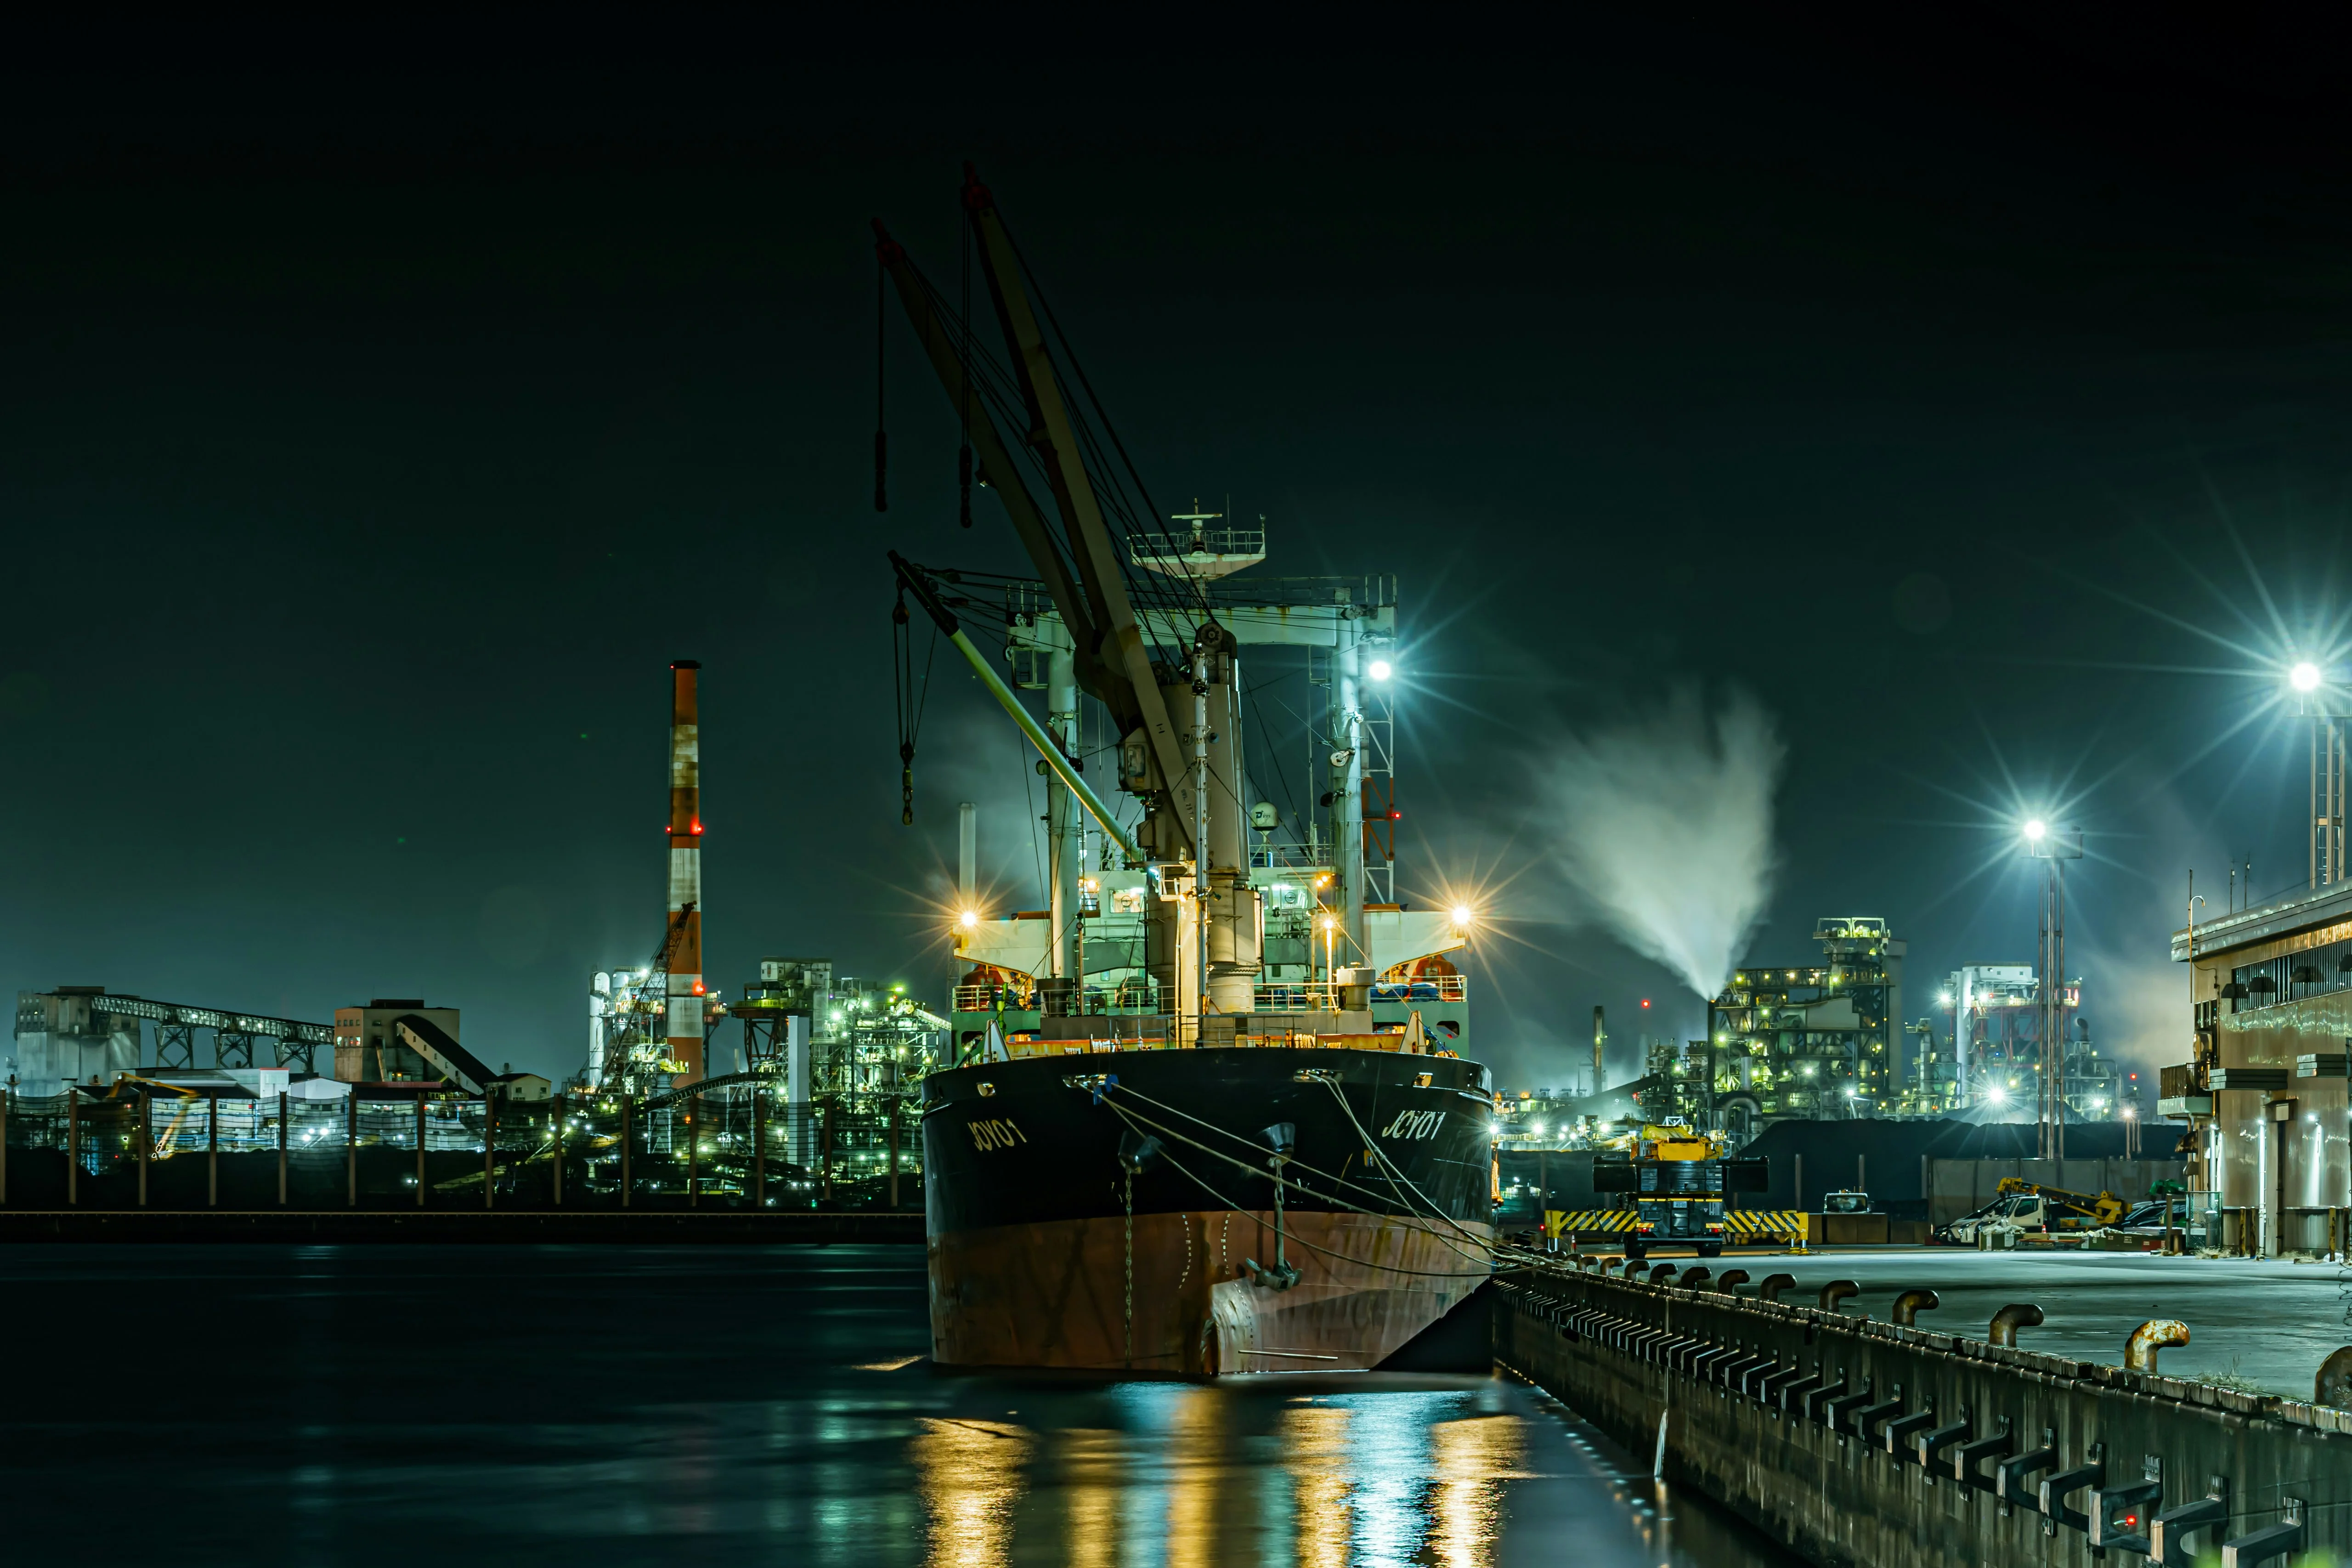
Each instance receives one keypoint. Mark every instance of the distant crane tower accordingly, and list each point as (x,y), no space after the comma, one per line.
(1600,1039)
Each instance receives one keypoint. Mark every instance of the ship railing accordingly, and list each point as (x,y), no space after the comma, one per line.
(1281,997)
(1290,856)
(1052,997)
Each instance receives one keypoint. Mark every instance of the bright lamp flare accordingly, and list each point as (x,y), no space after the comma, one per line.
(969,920)
(1464,914)
(1382,669)
(1996,1094)
(2304,677)
(2037,830)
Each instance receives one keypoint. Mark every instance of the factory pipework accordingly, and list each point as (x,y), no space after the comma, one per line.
(685,1041)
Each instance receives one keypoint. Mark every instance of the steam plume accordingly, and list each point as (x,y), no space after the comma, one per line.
(1665,829)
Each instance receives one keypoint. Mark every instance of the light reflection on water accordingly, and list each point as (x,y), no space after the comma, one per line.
(1357,1473)
(785,1424)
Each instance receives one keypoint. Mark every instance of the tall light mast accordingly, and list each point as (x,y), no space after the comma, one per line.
(2053,846)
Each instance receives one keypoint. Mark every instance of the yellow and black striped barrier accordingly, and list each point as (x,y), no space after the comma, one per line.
(1765,1222)
(1575,1222)
(1748,1224)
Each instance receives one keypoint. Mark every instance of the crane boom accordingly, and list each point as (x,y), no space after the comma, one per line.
(1056,440)
(998,470)
(2105,1208)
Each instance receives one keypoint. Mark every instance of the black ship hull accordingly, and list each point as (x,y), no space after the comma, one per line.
(1115,1211)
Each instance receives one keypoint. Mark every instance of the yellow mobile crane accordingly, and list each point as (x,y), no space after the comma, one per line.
(1678,1177)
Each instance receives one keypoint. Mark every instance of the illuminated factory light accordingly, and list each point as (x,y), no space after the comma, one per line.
(2037,830)
(2304,677)
(969,920)
(1996,1094)
(1382,669)
(1463,915)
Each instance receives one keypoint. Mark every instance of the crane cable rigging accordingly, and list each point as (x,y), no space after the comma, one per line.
(910,700)
(978,370)
(881,387)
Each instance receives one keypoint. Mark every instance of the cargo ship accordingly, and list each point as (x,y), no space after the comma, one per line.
(1211,1110)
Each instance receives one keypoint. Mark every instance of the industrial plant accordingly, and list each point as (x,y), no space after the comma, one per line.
(385,1104)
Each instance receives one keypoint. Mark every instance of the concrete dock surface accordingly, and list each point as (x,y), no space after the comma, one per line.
(2260,1325)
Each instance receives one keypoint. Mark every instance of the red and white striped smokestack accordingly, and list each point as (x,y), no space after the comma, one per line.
(686,872)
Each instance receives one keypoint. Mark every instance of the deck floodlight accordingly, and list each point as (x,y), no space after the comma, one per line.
(2037,830)
(969,920)
(2304,677)
(1463,915)
(1996,1094)
(1381,669)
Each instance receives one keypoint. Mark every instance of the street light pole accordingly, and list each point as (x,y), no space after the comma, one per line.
(2053,846)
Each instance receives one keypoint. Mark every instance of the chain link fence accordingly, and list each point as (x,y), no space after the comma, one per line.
(132,1148)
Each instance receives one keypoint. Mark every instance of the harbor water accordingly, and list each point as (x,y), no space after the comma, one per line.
(608,1405)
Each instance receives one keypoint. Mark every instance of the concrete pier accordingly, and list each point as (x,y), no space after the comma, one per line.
(1855,1442)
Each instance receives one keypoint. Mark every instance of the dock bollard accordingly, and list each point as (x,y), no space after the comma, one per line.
(1837,1291)
(1692,1279)
(1662,1273)
(1728,1282)
(1773,1285)
(2009,1318)
(1911,1303)
(2140,1351)
(2333,1383)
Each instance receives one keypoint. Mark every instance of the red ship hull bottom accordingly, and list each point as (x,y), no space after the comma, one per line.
(1175,1298)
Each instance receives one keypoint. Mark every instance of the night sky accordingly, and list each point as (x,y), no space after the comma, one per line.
(381,415)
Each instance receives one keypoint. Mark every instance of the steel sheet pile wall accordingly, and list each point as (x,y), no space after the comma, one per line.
(1856,1442)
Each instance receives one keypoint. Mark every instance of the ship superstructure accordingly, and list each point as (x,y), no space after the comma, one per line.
(1326,945)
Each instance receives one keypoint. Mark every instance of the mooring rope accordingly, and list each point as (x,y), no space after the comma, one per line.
(1228,1203)
(1127,1182)
(1487,1250)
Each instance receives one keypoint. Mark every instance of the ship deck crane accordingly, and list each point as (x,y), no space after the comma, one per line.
(1207,904)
